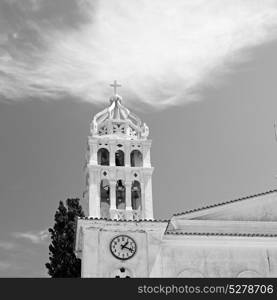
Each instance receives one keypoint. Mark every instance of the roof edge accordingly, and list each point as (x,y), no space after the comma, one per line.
(223,203)
(220,234)
(115,220)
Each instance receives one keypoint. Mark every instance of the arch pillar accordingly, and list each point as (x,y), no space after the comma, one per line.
(147,203)
(113,194)
(128,186)
(127,155)
(93,151)
(112,153)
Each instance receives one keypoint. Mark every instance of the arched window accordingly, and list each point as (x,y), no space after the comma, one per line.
(136,158)
(104,199)
(120,195)
(136,195)
(119,158)
(103,157)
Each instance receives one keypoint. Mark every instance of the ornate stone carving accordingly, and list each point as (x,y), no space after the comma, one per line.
(118,120)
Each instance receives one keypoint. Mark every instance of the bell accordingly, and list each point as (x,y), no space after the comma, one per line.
(135,194)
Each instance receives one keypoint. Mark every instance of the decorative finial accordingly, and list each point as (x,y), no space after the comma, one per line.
(115,85)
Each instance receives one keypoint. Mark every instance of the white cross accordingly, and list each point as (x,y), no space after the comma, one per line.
(115,85)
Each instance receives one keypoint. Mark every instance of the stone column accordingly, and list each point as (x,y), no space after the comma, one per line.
(142,205)
(146,154)
(93,151)
(112,153)
(127,155)
(94,192)
(147,187)
(129,214)
(113,199)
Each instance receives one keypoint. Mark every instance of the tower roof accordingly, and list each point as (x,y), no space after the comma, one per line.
(117,120)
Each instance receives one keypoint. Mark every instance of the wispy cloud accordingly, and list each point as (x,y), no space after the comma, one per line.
(7,245)
(36,237)
(24,254)
(163,52)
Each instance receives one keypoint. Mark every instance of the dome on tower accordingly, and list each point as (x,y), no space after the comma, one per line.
(117,120)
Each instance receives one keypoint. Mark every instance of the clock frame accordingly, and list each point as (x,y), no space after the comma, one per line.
(123,247)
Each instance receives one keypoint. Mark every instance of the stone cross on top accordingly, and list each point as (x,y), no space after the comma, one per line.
(115,85)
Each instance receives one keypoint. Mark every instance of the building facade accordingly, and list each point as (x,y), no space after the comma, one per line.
(120,237)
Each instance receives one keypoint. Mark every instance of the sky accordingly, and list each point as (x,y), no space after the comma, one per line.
(200,73)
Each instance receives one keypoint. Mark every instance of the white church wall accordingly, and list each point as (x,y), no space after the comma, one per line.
(94,247)
(271,255)
(217,256)
(90,253)
(170,255)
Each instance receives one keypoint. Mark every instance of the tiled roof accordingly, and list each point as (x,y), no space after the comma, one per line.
(106,219)
(223,203)
(220,234)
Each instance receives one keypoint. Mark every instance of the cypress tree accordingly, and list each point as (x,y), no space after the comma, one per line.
(63,261)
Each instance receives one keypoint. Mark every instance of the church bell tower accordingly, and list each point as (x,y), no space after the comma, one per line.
(119,171)
(119,236)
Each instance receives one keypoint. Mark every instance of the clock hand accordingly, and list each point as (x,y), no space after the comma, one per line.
(130,249)
(124,246)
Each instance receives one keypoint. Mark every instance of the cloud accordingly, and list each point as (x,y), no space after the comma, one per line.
(24,255)
(162,52)
(7,245)
(36,237)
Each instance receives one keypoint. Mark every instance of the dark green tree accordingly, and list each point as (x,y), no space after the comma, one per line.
(63,261)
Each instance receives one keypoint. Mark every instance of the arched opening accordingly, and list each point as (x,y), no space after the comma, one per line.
(119,158)
(103,157)
(120,195)
(104,199)
(136,158)
(121,273)
(136,195)
(190,273)
(249,274)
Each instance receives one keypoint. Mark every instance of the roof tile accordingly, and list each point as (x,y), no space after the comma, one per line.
(223,203)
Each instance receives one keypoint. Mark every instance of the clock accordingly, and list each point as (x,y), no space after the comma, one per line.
(123,247)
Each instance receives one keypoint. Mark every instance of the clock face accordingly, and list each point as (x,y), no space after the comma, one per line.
(123,247)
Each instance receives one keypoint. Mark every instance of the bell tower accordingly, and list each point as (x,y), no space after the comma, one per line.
(119,171)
